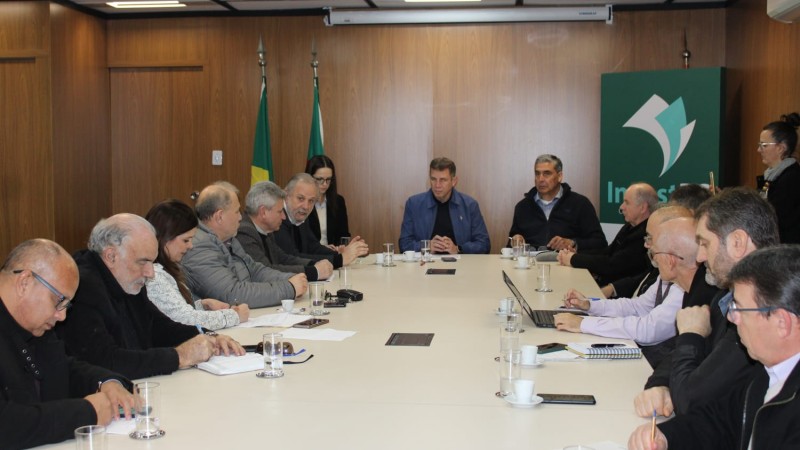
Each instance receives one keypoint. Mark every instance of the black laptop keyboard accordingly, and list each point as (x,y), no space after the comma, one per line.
(544,319)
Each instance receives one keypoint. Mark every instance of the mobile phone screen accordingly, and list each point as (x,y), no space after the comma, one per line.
(311,323)
(568,399)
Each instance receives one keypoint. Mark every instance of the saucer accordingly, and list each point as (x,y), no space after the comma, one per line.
(506,257)
(411,260)
(522,268)
(538,363)
(512,400)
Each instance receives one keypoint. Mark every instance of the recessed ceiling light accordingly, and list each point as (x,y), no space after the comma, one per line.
(147,4)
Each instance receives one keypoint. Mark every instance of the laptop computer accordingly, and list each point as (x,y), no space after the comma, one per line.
(542,318)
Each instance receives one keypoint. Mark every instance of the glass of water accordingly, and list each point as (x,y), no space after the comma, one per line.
(273,356)
(425,249)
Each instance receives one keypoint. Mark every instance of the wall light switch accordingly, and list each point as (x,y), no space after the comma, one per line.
(216,157)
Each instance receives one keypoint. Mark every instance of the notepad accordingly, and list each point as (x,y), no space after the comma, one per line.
(227,365)
(585,350)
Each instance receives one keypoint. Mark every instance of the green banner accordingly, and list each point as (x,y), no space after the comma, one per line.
(663,128)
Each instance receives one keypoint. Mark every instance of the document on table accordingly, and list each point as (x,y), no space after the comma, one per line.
(227,365)
(561,355)
(273,320)
(324,334)
(121,426)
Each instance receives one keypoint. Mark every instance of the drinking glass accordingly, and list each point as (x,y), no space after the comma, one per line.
(147,403)
(425,249)
(316,293)
(91,437)
(388,254)
(509,331)
(509,372)
(345,282)
(543,277)
(273,356)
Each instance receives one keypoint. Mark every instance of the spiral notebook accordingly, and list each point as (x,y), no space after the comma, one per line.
(585,350)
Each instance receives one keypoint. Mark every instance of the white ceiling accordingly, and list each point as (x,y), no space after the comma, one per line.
(281,6)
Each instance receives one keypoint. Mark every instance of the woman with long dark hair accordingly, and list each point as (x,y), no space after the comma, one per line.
(328,219)
(176,223)
(780,184)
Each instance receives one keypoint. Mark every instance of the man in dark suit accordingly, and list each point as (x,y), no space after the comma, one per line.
(626,255)
(295,236)
(44,394)
(264,208)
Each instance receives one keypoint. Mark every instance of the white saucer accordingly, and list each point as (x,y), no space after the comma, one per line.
(506,257)
(411,260)
(538,363)
(522,268)
(512,400)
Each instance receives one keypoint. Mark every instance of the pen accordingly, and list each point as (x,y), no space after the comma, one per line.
(199,329)
(594,299)
(653,429)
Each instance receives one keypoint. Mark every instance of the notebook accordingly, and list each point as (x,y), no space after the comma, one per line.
(585,350)
(542,318)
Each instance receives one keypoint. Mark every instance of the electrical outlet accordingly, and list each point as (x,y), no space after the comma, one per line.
(216,157)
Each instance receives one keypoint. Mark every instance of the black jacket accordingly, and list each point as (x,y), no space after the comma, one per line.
(125,333)
(573,217)
(728,422)
(703,369)
(31,417)
(337,224)
(624,257)
(298,240)
(784,195)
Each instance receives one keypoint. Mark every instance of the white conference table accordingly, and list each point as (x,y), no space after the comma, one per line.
(361,394)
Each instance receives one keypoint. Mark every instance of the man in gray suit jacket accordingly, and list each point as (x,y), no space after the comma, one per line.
(264,214)
(218,267)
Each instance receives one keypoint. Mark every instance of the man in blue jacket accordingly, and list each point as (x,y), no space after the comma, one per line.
(450,219)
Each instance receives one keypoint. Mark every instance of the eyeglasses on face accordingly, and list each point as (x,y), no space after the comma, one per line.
(321,180)
(648,239)
(731,310)
(763,145)
(63,301)
(668,253)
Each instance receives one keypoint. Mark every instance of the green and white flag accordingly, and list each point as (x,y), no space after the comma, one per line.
(261,168)
(315,141)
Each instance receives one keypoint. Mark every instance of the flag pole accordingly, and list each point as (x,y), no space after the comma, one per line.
(314,61)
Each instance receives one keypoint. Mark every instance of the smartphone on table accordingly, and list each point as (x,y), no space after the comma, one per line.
(311,323)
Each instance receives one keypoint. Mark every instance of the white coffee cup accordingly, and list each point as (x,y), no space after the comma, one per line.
(522,262)
(506,251)
(408,255)
(288,305)
(523,390)
(379,258)
(529,355)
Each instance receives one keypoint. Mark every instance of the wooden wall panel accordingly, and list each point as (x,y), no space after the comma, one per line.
(81,145)
(492,97)
(158,126)
(764,63)
(26,171)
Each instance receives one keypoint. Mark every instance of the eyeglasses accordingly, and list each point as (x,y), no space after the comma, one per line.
(648,239)
(668,253)
(763,145)
(731,311)
(321,180)
(63,301)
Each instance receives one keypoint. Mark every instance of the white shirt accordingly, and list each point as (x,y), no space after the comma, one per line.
(547,205)
(323,221)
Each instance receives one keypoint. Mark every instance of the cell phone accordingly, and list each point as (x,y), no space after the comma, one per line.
(441,272)
(551,347)
(311,323)
(449,259)
(607,345)
(568,399)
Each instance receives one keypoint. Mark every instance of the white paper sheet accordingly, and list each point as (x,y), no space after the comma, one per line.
(227,365)
(325,334)
(273,320)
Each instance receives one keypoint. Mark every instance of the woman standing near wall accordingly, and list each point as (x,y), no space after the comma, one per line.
(780,184)
(328,219)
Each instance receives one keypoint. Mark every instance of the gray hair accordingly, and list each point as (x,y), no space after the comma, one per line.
(212,199)
(677,236)
(740,208)
(301,177)
(33,252)
(773,273)
(113,232)
(263,193)
(645,193)
(553,159)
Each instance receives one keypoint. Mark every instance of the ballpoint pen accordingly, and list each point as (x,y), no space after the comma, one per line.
(653,429)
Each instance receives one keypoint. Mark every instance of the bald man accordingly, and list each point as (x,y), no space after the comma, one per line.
(45,395)
(114,324)
(625,256)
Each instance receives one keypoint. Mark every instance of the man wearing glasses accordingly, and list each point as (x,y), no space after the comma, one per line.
(44,394)
(763,411)
(295,236)
(708,357)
